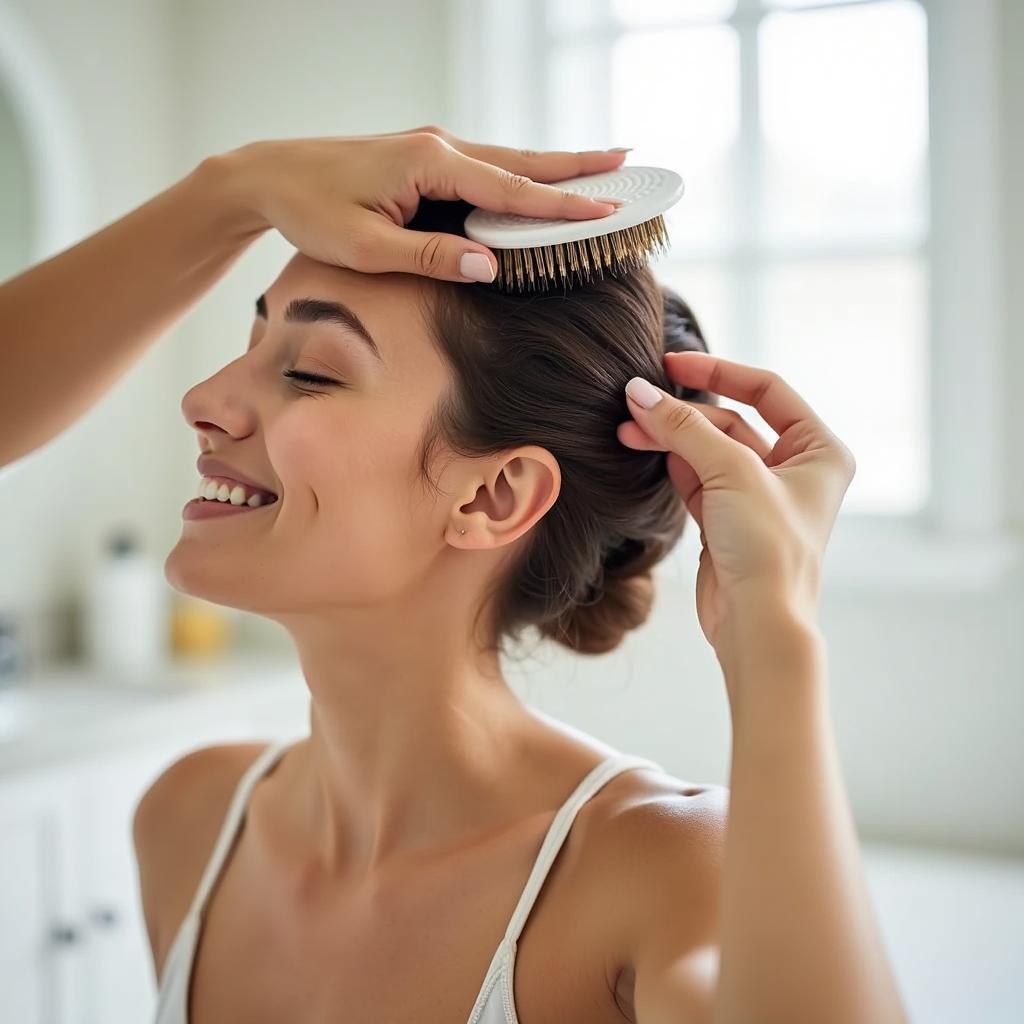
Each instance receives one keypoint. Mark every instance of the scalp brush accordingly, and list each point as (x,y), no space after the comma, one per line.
(537,255)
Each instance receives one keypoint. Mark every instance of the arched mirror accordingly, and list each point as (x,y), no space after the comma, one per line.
(16,200)
(41,166)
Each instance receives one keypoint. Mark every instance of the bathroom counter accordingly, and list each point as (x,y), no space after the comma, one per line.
(69,712)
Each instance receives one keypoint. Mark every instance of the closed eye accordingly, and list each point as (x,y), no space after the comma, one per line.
(311,378)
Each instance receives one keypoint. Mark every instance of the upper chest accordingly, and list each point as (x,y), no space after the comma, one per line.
(271,948)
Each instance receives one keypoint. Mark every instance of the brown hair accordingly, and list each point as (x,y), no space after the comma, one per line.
(549,369)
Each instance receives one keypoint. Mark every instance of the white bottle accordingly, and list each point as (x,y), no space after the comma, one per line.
(127,614)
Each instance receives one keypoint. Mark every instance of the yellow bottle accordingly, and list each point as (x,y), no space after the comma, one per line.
(200,630)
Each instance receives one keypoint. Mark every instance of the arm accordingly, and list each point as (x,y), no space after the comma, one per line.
(799,939)
(76,323)
(72,326)
(754,909)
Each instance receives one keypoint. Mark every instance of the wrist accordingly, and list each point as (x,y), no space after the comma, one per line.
(227,179)
(769,638)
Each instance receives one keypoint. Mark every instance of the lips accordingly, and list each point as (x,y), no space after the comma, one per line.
(209,465)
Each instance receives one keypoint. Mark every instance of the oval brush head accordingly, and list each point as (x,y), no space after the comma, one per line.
(536,254)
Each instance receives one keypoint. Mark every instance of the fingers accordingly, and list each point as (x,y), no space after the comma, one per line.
(453,175)
(777,403)
(727,420)
(682,428)
(551,165)
(429,253)
(543,166)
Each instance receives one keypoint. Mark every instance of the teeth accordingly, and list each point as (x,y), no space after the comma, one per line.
(211,490)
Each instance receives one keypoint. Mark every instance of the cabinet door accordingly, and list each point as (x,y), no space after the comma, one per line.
(42,944)
(121,986)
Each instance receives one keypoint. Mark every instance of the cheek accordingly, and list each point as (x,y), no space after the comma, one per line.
(350,506)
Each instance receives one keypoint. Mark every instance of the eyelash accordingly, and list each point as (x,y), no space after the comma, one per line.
(311,378)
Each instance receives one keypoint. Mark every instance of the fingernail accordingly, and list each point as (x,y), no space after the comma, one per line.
(643,392)
(620,149)
(476,266)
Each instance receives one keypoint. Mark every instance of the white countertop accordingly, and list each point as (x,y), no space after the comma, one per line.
(70,711)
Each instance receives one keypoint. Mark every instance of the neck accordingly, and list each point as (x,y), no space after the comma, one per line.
(411,739)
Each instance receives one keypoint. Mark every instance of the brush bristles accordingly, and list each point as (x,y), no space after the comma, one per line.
(580,262)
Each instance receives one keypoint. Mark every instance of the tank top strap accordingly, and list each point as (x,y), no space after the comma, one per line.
(559,829)
(236,812)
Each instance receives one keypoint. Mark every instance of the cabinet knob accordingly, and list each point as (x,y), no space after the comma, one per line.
(65,934)
(104,917)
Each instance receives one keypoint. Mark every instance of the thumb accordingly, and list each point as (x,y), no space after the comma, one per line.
(682,428)
(431,254)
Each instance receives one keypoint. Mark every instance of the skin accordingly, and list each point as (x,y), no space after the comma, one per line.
(368,572)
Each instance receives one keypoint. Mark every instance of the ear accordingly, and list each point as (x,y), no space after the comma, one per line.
(515,490)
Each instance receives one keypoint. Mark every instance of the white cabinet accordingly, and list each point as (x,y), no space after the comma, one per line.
(73,944)
(40,973)
(119,986)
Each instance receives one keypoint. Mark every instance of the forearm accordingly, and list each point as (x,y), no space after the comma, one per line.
(799,938)
(72,326)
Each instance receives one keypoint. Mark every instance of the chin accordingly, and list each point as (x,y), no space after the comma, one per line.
(189,569)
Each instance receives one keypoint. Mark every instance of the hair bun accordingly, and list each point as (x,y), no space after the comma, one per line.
(611,609)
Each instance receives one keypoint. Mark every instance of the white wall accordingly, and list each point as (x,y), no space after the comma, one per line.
(926,686)
(110,72)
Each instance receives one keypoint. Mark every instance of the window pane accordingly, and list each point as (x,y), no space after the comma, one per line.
(645,12)
(845,122)
(575,119)
(850,336)
(708,290)
(796,4)
(563,15)
(675,99)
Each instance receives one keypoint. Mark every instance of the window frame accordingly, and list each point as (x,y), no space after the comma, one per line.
(961,539)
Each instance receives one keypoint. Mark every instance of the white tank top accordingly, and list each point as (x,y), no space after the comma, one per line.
(495,1003)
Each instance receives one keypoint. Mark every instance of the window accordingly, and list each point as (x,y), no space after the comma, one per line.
(802,238)
(805,238)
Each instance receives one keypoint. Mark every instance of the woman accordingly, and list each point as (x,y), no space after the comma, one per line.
(437,470)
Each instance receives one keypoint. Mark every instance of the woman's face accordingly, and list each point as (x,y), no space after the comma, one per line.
(354,525)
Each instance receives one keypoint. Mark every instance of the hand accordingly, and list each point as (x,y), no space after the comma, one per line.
(765,512)
(346,200)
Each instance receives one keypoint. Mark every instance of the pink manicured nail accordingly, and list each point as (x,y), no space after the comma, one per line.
(476,266)
(643,392)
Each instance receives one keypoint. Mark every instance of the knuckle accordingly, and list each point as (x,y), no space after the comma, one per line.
(848,459)
(433,129)
(679,416)
(430,256)
(529,153)
(511,182)
(426,143)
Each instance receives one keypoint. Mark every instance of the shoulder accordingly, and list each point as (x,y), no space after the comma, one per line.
(657,857)
(647,805)
(661,824)
(174,827)
(203,774)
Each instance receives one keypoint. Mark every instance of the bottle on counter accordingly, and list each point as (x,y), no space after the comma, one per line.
(200,630)
(127,613)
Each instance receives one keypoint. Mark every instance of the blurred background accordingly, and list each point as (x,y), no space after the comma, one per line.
(852,219)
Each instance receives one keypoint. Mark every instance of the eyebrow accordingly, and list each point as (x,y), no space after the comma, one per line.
(311,311)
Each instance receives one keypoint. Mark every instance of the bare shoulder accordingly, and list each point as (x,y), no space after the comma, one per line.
(653,808)
(174,827)
(656,840)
